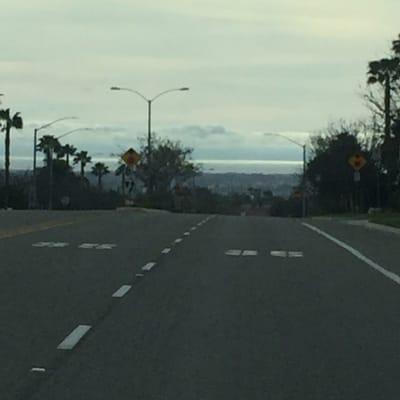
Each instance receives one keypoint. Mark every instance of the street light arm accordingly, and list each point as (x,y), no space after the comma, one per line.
(132,91)
(74,130)
(53,122)
(285,137)
(169,91)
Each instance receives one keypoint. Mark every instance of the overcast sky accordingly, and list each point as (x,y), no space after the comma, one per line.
(252,66)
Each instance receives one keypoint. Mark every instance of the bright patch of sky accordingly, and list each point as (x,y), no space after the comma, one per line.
(252,66)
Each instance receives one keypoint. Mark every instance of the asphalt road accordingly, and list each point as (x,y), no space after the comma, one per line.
(240,308)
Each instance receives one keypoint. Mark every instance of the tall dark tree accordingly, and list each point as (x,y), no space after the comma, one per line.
(82,158)
(67,151)
(100,169)
(170,162)
(10,121)
(49,145)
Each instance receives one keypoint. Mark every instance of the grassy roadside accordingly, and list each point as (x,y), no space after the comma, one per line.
(387,218)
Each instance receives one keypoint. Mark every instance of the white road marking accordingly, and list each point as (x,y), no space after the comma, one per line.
(41,244)
(122,291)
(389,274)
(186,234)
(106,246)
(38,369)
(249,253)
(233,252)
(59,244)
(166,251)
(74,337)
(140,275)
(193,228)
(148,266)
(88,245)
(178,240)
(295,254)
(278,253)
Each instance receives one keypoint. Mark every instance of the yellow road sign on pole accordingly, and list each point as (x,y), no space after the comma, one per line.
(357,161)
(130,157)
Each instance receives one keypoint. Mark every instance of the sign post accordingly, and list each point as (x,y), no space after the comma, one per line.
(357,161)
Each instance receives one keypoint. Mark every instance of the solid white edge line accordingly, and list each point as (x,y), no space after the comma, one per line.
(391,275)
(74,337)
(122,291)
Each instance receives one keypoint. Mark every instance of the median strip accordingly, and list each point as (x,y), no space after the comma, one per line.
(74,337)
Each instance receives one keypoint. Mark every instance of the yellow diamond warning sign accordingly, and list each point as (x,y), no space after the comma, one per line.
(357,161)
(130,157)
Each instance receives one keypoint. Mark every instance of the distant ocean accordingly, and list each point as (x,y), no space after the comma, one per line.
(208,166)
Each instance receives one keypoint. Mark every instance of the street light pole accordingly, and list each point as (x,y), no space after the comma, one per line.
(149,115)
(35,134)
(304,178)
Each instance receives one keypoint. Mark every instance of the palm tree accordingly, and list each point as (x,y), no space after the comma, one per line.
(10,122)
(100,169)
(82,158)
(49,144)
(67,151)
(385,72)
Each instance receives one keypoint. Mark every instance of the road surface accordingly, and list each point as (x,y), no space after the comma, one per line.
(125,305)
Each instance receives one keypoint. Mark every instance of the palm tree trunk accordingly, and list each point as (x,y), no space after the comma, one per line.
(387,107)
(7,166)
(99,181)
(67,160)
(82,171)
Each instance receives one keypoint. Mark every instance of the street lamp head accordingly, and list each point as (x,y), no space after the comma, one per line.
(115,88)
(184,89)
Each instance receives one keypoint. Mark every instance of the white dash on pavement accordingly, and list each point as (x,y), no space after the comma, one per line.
(106,246)
(140,275)
(166,251)
(233,252)
(278,253)
(148,266)
(186,234)
(295,254)
(88,245)
(74,337)
(59,244)
(41,244)
(122,291)
(38,369)
(389,274)
(178,240)
(249,253)
(193,228)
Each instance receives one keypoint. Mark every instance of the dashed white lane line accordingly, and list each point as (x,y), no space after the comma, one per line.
(50,244)
(388,274)
(122,291)
(193,228)
(88,245)
(38,369)
(295,254)
(278,253)
(74,337)
(148,266)
(233,252)
(140,275)
(106,246)
(249,253)
(186,234)
(166,251)
(178,240)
